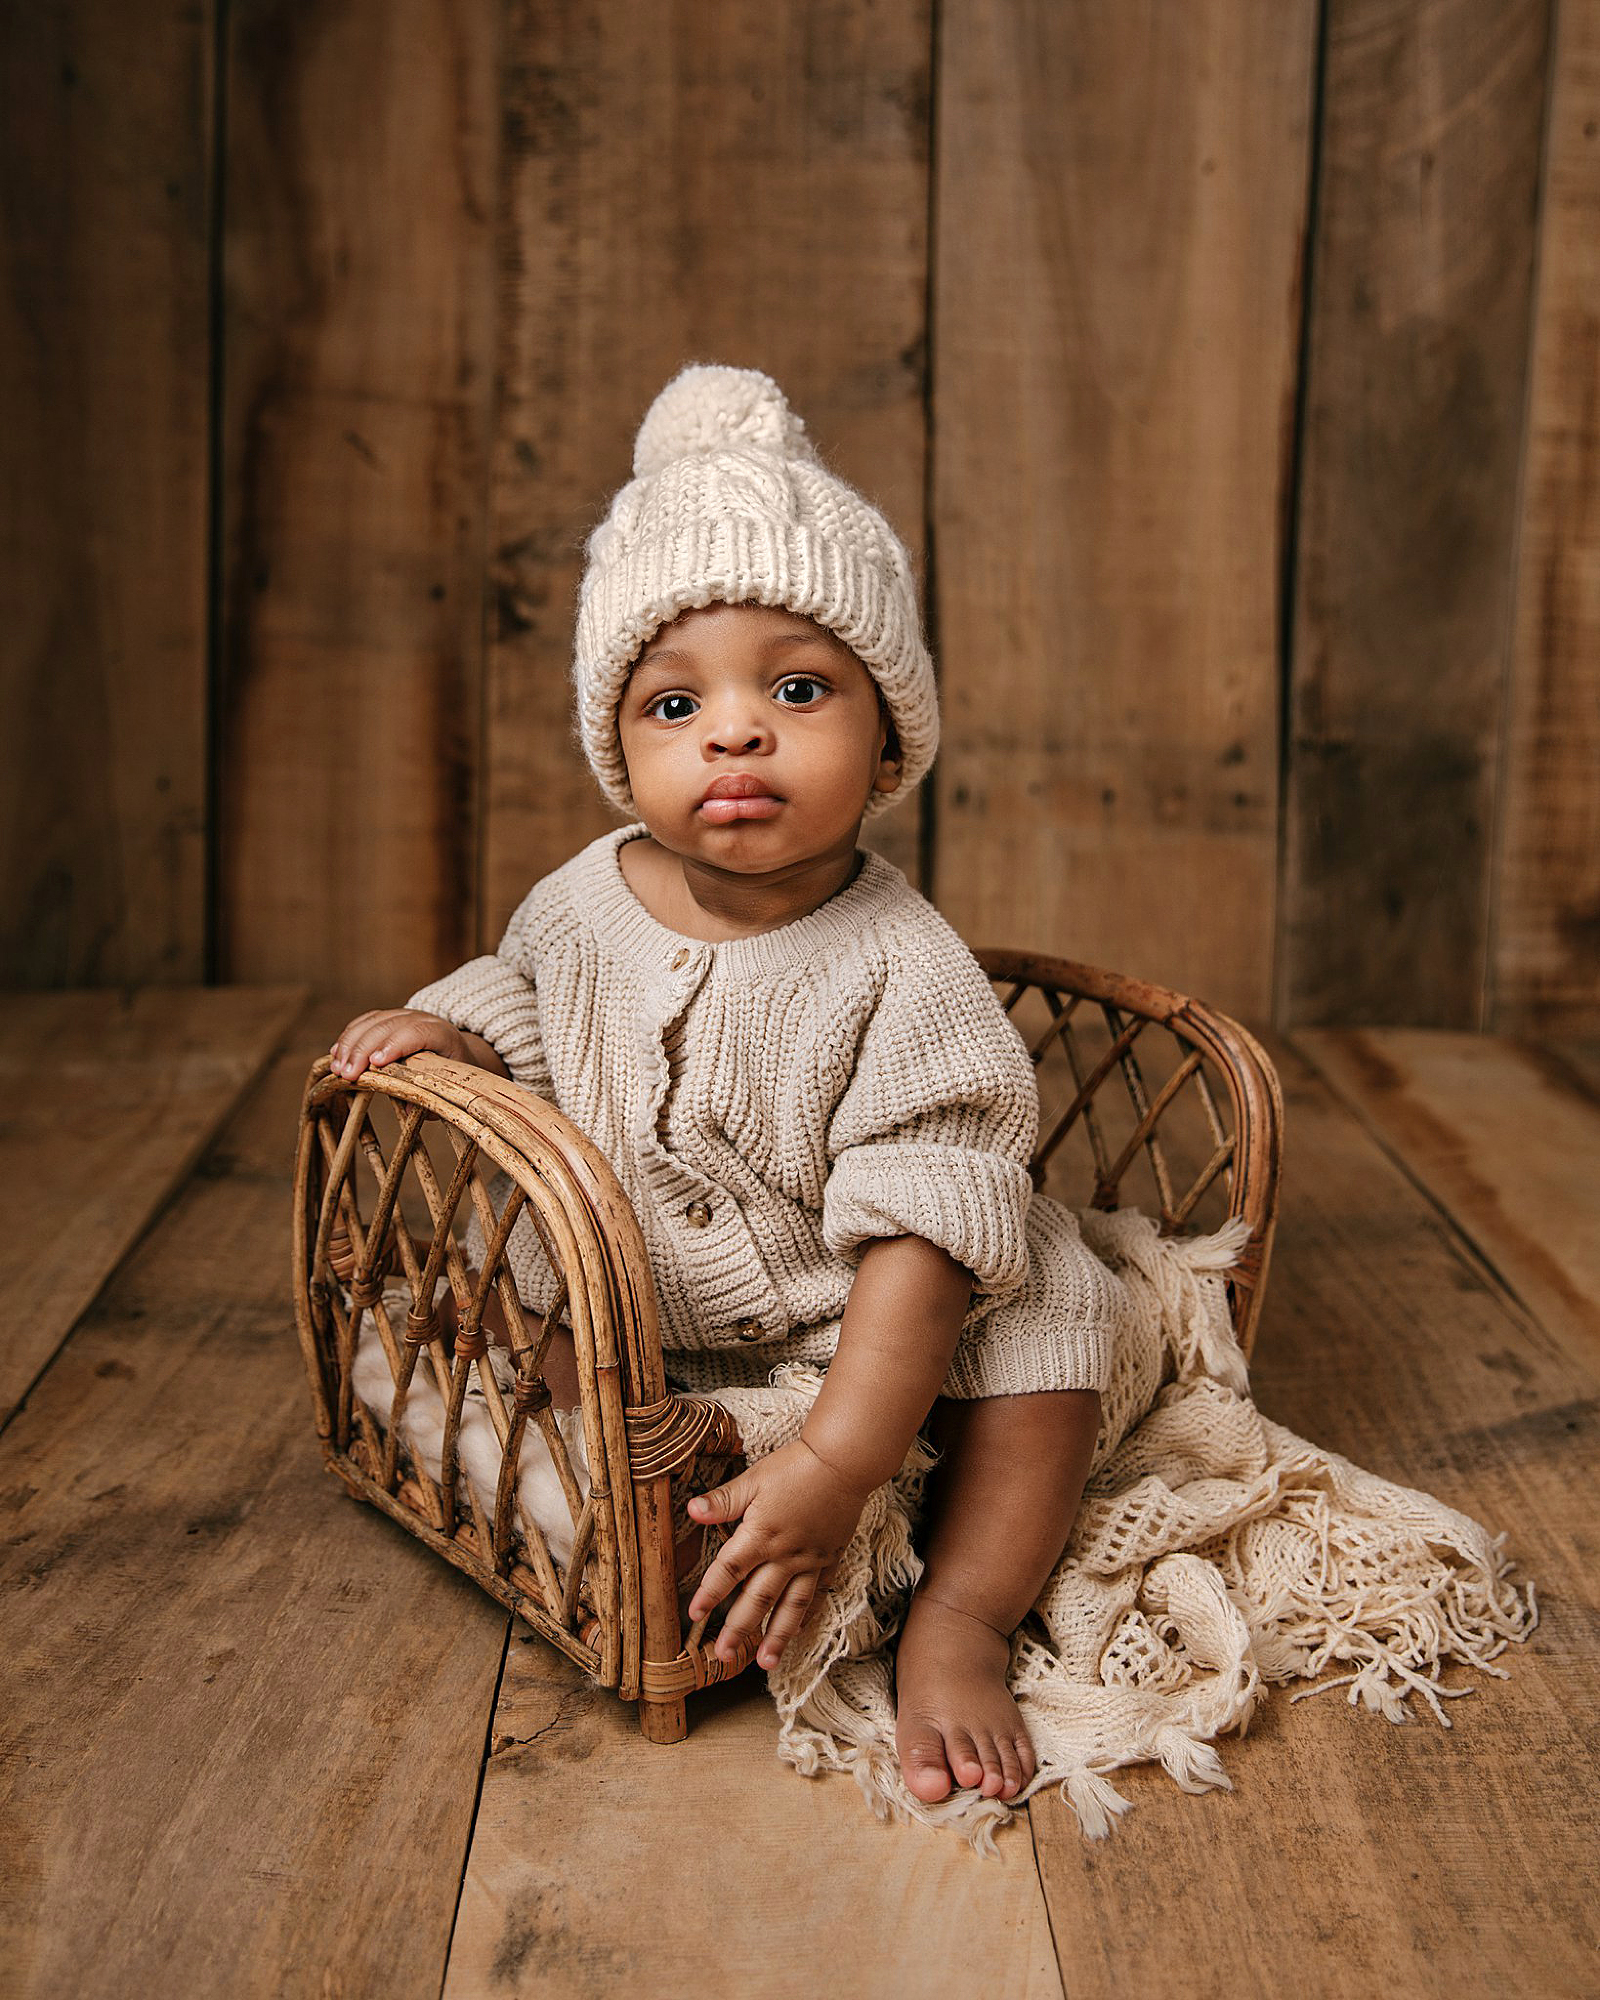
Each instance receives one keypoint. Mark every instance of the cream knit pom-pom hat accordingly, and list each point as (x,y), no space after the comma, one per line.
(729,503)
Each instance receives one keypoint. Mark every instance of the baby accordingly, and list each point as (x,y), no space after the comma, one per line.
(818,1108)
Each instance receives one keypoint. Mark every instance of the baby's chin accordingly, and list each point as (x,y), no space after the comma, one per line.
(752,845)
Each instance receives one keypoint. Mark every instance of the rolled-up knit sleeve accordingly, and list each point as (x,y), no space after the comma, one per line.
(933,1135)
(495,997)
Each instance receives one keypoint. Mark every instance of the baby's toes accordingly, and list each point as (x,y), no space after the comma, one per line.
(990,1779)
(1010,1766)
(966,1755)
(923,1763)
(1027,1763)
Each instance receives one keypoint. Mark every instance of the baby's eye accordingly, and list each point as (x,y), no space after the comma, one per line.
(651,707)
(805,681)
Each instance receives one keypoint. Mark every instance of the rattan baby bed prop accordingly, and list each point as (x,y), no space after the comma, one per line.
(1147,1098)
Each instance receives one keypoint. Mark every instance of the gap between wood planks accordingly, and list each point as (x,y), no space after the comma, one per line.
(1503,1137)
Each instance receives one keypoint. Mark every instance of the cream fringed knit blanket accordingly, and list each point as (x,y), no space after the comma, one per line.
(1214,1550)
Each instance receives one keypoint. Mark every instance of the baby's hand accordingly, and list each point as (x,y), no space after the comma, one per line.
(391,1033)
(798,1514)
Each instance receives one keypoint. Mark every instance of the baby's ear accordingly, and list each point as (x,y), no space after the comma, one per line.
(891,739)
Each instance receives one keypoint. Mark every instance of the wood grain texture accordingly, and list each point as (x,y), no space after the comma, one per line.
(603,1865)
(244,1718)
(1354,1855)
(1582,1058)
(706,182)
(105,155)
(110,1098)
(360,170)
(1416,369)
(1121,213)
(1506,1139)
(1546,969)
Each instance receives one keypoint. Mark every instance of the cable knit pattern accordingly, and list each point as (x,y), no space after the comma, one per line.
(771,1104)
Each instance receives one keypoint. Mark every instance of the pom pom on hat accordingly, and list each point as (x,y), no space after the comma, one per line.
(731,504)
(707,409)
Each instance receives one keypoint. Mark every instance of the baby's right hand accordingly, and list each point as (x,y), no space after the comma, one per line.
(390,1033)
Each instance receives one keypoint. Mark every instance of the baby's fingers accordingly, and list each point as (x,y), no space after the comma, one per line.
(727,1501)
(732,1564)
(351,1033)
(378,1039)
(763,1589)
(789,1615)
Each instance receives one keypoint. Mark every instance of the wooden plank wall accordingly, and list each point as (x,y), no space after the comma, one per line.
(1121,210)
(1230,370)
(359,164)
(1416,372)
(1545,910)
(107,135)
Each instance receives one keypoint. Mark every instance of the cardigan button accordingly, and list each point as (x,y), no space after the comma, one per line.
(747,1329)
(699,1213)
(681,959)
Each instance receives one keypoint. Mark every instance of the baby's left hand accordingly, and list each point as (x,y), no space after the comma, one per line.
(798,1513)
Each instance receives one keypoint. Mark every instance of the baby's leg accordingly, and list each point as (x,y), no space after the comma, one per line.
(1000,1505)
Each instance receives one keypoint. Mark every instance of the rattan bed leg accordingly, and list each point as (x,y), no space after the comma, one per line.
(662,1719)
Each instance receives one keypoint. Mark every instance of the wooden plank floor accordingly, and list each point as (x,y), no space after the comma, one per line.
(1499,1134)
(1353,1856)
(258,1741)
(245,1718)
(109,1100)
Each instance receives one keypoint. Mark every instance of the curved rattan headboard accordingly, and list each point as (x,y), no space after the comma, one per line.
(1089,1031)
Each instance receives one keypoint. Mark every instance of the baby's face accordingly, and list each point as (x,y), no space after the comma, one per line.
(749,691)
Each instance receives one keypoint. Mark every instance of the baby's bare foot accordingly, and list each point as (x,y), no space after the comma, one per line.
(955,1721)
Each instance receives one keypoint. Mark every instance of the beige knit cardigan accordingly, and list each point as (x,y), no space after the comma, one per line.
(772,1103)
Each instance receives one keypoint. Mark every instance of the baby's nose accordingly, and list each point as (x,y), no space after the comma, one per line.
(736,735)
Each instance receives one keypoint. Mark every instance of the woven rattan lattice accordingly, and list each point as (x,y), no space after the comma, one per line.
(1146,1098)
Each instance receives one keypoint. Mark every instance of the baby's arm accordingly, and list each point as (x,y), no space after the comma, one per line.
(901,1323)
(800,1504)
